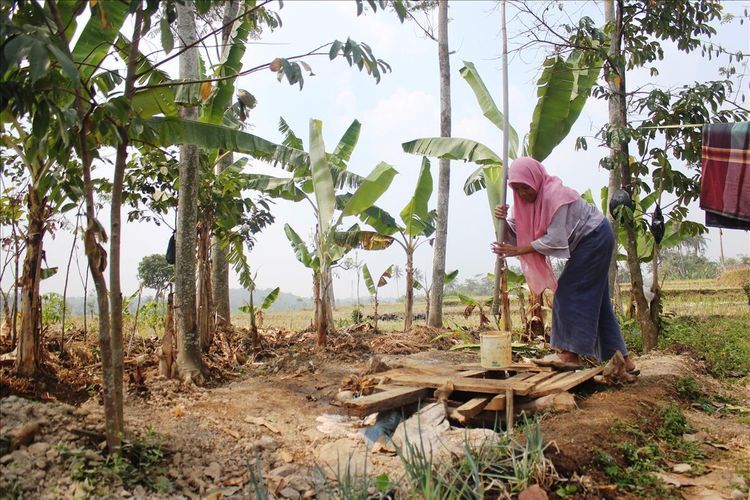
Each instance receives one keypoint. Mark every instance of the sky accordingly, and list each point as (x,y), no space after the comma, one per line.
(404,106)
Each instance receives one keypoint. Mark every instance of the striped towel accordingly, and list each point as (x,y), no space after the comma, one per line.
(725,182)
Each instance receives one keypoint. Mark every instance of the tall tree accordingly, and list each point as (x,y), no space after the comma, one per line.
(189,362)
(441,233)
(220,266)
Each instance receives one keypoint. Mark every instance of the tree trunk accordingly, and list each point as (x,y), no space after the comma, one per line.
(435,318)
(7,325)
(115,296)
(409,308)
(615,175)
(376,311)
(97,258)
(316,297)
(16,274)
(219,265)
(649,330)
(189,362)
(205,306)
(27,360)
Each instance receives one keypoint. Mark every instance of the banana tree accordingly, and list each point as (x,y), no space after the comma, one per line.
(418,225)
(562,90)
(373,287)
(256,312)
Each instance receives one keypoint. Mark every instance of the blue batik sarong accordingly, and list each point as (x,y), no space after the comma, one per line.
(583,321)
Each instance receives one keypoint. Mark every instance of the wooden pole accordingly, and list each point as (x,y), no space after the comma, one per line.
(500,264)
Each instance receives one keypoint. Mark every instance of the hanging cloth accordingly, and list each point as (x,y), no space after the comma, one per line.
(725,175)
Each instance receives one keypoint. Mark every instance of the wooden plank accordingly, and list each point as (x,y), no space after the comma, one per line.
(514,367)
(541,376)
(496,404)
(570,380)
(479,372)
(509,411)
(387,400)
(484,386)
(473,406)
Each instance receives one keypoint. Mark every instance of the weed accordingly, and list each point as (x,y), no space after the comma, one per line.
(256,484)
(649,444)
(137,462)
(357,316)
(721,340)
(688,390)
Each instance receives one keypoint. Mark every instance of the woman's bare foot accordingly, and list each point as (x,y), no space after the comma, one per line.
(568,357)
(629,365)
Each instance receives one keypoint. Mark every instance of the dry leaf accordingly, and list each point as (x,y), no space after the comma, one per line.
(179,411)
(263,422)
(286,456)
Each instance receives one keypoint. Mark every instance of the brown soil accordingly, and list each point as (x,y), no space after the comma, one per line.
(267,410)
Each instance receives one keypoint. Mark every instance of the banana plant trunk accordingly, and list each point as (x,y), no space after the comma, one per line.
(323,319)
(28,358)
(204,305)
(435,316)
(409,308)
(189,361)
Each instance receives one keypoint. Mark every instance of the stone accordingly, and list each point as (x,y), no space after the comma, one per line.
(534,492)
(299,483)
(738,495)
(424,428)
(213,471)
(290,493)
(38,449)
(344,396)
(266,443)
(682,468)
(344,454)
(285,470)
(698,437)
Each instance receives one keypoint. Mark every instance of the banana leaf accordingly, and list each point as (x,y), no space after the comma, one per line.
(169,131)
(488,106)
(270,298)
(416,212)
(300,248)
(452,148)
(100,32)
(325,195)
(369,283)
(348,142)
(562,91)
(375,184)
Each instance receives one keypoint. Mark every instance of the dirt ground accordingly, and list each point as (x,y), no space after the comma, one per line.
(281,415)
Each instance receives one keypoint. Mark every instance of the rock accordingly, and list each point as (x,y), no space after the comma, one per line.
(424,428)
(284,470)
(344,396)
(698,437)
(299,483)
(682,468)
(290,493)
(534,492)
(265,443)
(738,495)
(344,454)
(213,471)
(38,449)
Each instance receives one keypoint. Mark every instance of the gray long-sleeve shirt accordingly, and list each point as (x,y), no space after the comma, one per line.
(568,226)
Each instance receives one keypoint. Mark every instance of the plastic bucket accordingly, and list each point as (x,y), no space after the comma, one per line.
(495,350)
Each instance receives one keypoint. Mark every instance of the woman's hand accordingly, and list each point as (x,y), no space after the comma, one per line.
(505,250)
(501,212)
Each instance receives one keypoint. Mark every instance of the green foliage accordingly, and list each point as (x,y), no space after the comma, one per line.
(721,340)
(52,308)
(687,389)
(137,462)
(155,272)
(153,314)
(646,446)
(357,316)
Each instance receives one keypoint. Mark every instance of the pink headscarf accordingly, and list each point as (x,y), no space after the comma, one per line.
(533,219)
